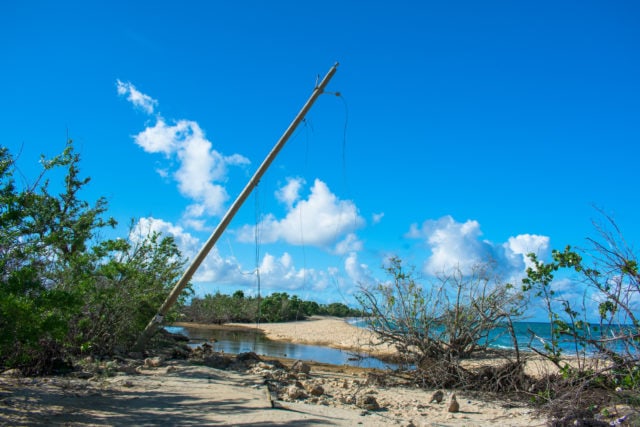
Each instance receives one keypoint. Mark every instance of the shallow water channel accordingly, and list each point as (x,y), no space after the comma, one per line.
(237,341)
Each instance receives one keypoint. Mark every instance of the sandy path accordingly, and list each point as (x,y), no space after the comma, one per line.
(180,393)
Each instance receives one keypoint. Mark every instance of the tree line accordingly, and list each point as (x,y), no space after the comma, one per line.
(277,307)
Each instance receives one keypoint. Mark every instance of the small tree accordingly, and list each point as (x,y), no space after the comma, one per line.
(595,342)
(62,290)
(43,243)
(434,327)
(132,279)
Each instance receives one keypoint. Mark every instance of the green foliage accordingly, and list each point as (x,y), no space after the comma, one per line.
(601,328)
(62,291)
(125,290)
(277,307)
(339,309)
(219,308)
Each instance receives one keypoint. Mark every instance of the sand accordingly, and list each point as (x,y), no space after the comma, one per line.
(324,331)
(177,392)
(337,333)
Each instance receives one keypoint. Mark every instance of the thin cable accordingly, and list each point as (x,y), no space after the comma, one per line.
(257,249)
(345,181)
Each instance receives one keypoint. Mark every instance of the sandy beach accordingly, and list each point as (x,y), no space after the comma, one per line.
(338,333)
(210,390)
(324,331)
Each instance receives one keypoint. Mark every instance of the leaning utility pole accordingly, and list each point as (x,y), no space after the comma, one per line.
(180,285)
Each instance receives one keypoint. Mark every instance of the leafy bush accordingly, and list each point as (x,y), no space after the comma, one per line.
(62,291)
(603,327)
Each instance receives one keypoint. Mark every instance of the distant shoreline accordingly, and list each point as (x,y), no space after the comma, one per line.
(324,331)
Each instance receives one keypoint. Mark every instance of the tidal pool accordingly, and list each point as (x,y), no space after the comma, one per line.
(241,341)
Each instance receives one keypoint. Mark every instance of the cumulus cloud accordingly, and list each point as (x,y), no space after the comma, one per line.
(525,244)
(290,193)
(214,268)
(357,272)
(320,220)
(187,243)
(200,170)
(377,217)
(350,243)
(278,273)
(137,98)
(456,245)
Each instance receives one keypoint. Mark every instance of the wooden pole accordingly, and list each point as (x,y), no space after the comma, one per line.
(253,182)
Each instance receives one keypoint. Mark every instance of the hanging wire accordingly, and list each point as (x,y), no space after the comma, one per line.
(257,254)
(345,181)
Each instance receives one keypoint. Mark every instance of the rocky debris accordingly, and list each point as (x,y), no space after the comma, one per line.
(454,406)
(315,389)
(16,373)
(248,358)
(153,362)
(374,378)
(295,392)
(437,397)
(299,367)
(217,361)
(367,402)
(173,336)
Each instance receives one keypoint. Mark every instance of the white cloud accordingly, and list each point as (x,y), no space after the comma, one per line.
(277,274)
(350,243)
(137,98)
(214,268)
(525,244)
(377,217)
(187,244)
(280,273)
(359,273)
(200,169)
(458,245)
(290,193)
(319,220)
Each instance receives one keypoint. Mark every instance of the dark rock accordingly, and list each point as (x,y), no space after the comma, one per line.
(217,361)
(437,397)
(367,402)
(454,406)
(315,390)
(300,367)
(249,358)
(174,336)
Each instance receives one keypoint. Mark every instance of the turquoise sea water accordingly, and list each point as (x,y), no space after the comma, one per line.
(530,335)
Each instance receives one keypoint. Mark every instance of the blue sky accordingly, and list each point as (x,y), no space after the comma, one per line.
(464,130)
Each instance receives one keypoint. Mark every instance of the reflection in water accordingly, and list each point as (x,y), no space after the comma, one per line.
(235,342)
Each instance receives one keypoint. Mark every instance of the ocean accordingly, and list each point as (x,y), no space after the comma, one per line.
(533,335)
